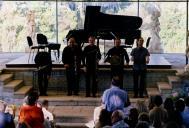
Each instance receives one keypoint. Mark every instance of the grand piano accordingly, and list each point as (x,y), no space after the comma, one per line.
(107,27)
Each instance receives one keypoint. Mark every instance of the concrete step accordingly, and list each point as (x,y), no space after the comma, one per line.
(164,87)
(63,100)
(5,78)
(174,81)
(71,125)
(73,114)
(13,86)
(152,91)
(22,92)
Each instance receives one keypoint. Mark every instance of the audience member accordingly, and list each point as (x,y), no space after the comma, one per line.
(169,106)
(118,120)
(104,119)
(185,114)
(30,114)
(171,125)
(158,115)
(114,98)
(144,116)
(179,106)
(151,103)
(128,106)
(141,106)
(6,119)
(132,120)
(142,124)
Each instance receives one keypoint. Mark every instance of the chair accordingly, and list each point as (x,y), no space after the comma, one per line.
(54,46)
(148,42)
(30,44)
(43,42)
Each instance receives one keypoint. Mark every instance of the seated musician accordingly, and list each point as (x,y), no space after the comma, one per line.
(116,56)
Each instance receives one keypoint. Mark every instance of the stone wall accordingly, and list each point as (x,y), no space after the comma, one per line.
(58,79)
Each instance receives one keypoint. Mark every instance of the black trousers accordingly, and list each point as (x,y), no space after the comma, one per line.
(118,71)
(72,81)
(91,83)
(139,77)
(42,82)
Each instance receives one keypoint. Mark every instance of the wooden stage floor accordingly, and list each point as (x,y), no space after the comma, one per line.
(156,61)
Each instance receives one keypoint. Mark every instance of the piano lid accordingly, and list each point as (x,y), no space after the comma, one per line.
(107,26)
(98,21)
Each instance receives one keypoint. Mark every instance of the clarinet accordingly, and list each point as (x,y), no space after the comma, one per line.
(75,64)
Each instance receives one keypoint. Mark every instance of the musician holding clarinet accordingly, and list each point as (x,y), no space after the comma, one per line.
(91,57)
(71,58)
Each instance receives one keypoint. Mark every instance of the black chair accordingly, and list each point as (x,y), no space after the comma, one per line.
(54,47)
(30,44)
(148,42)
(43,42)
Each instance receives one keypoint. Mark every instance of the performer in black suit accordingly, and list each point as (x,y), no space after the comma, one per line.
(91,57)
(116,56)
(140,57)
(44,64)
(71,58)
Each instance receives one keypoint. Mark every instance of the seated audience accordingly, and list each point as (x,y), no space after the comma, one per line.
(30,114)
(127,108)
(171,124)
(118,120)
(144,116)
(6,119)
(104,119)
(132,120)
(48,116)
(185,114)
(158,115)
(169,106)
(114,98)
(141,106)
(142,124)
(179,106)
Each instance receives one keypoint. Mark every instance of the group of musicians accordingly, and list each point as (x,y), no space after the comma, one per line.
(73,56)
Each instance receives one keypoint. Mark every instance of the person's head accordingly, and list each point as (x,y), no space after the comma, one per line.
(45,104)
(117,42)
(116,81)
(2,106)
(117,115)
(32,98)
(171,124)
(144,116)
(186,101)
(151,103)
(141,106)
(91,40)
(158,100)
(133,114)
(168,104)
(71,41)
(140,42)
(142,124)
(105,118)
(179,105)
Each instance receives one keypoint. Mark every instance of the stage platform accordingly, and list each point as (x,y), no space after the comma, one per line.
(157,61)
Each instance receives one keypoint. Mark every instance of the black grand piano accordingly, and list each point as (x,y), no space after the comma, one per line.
(107,27)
